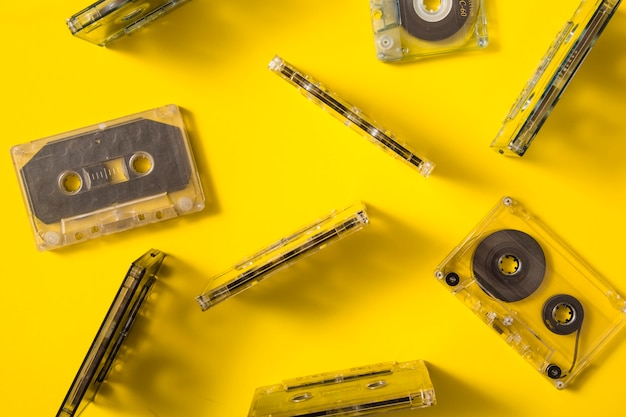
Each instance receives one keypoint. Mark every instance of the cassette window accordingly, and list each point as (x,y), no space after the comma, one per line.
(357,391)
(110,177)
(554,73)
(107,20)
(113,332)
(283,253)
(534,292)
(350,115)
(410,29)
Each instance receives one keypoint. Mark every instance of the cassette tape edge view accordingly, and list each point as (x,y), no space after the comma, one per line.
(534,292)
(107,20)
(113,332)
(282,253)
(358,391)
(109,177)
(552,76)
(350,115)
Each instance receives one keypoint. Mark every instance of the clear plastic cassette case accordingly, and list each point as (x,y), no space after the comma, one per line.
(552,76)
(357,391)
(350,115)
(113,332)
(283,253)
(109,177)
(410,29)
(534,292)
(107,20)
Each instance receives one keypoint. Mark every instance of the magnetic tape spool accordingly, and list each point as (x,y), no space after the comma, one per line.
(509,265)
(436,22)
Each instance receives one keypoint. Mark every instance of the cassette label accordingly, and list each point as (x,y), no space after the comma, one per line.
(350,115)
(409,29)
(283,253)
(107,20)
(114,330)
(358,391)
(110,177)
(541,298)
(552,76)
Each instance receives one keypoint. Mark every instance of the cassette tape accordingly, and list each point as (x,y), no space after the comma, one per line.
(552,76)
(358,391)
(109,177)
(350,115)
(409,29)
(533,291)
(286,251)
(113,332)
(107,20)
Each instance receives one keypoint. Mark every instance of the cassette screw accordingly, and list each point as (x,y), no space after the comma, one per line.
(452,279)
(553,371)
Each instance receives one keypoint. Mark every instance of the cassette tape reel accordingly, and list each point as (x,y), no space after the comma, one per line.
(115,328)
(527,286)
(358,391)
(409,29)
(552,76)
(107,20)
(286,251)
(350,115)
(109,177)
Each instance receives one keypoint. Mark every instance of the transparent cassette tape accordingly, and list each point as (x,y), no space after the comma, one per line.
(552,76)
(308,240)
(107,20)
(113,332)
(542,299)
(109,177)
(350,115)
(358,391)
(410,29)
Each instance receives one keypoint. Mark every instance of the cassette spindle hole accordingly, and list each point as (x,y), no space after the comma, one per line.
(70,182)
(509,265)
(431,5)
(564,313)
(301,397)
(432,10)
(377,384)
(142,163)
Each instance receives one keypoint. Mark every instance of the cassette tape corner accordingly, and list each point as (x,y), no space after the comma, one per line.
(365,390)
(109,177)
(407,29)
(534,292)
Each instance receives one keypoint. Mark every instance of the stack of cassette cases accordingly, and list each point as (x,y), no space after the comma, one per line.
(358,391)
(109,177)
(552,76)
(350,115)
(307,240)
(107,20)
(113,332)
(527,286)
(409,29)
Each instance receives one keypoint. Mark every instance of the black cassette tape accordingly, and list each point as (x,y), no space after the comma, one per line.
(114,330)
(109,177)
(360,391)
(552,76)
(534,292)
(350,115)
(409,29)
(106,20)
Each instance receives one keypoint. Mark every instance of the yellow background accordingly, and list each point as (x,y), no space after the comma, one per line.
(270,162)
